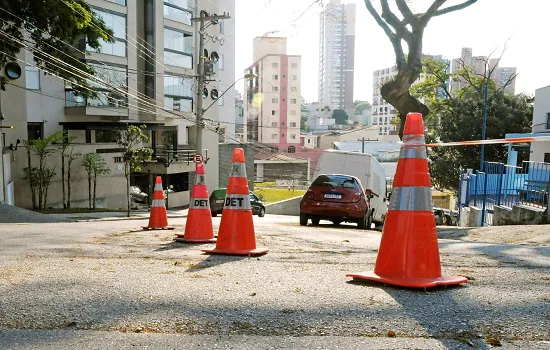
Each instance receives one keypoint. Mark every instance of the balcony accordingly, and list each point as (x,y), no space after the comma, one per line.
(107,104)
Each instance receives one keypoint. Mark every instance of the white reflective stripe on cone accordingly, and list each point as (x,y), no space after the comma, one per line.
(237,202)
(409,150)
(158,187)
(199,203)
(158,203)
(411,198)
(199,180)
(238,170)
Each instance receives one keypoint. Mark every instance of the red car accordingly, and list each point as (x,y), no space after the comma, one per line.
(336,198)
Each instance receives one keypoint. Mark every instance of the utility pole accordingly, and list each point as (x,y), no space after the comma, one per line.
(204,17)
(363,143)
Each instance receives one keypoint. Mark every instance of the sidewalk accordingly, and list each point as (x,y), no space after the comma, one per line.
(109,216)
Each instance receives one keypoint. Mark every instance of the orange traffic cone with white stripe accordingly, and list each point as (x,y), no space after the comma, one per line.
(198,227)
(158,220)
(409,254)
(236,235)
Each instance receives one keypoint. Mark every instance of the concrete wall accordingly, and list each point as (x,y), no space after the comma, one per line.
(226,155)
(519,215)
(470,217)
(287,207)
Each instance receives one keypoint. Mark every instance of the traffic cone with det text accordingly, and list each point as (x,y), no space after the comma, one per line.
(158,220)
(198,227)
(236,235)
(409,255)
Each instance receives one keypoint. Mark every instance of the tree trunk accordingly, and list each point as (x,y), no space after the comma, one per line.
(31,179)
(396,92)
(63,180)
(95,187)
(128,194)
(89,191)
(69,185)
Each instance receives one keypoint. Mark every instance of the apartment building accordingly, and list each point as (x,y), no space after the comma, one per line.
(503,76)
(337,55)
(383,114)
(272,100)
(153,59)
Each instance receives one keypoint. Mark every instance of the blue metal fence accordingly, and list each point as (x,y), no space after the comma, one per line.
(506,186)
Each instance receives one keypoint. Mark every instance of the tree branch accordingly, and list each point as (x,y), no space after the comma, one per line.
(424,18)
(394,39)
(408,16)
(392,20)
(454,8)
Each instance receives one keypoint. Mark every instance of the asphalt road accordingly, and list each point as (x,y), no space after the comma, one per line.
(106,284)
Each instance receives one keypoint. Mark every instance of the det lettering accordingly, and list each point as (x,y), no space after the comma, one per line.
(201,202)
(234,202)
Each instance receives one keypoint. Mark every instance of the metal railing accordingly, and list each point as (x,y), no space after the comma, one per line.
(506,186)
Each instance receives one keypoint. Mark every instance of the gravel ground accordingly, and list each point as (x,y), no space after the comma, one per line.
(109,277)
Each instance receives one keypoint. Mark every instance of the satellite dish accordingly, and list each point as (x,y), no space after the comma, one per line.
(214,94)
(204,93)
(13,70)
(214,56)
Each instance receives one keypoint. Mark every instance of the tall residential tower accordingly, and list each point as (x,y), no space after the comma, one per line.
(336,55)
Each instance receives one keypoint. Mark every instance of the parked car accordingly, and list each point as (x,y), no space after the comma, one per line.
(217,199)
(137,195)
(365,168)
(445,217)
(336,198)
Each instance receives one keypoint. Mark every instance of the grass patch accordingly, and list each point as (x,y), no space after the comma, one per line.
(78,210)
(264,184)
(270,195)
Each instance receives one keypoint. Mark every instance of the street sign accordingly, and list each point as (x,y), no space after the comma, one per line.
(198,158)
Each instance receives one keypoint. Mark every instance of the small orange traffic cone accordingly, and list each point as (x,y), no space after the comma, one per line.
(198,227)
(409,254)
(158,220)
(236,235)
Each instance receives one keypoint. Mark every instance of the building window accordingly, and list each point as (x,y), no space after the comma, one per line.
(178,48)
(293,125)
(291,149)
(108,93)
(548,120)
(294,65)
(292,112)
(274,88)
(547,157)
(308,140)
(283,135)
(273,124)
(274,100)
(120,2)
(178,93)
(273,112)
(273,136)
(275,65)
(293,101)
(178,11)
(293,89)
(275,76)
(32,77)
(293,136)
(294,77)
(116,22)
(222,27)
(35,131)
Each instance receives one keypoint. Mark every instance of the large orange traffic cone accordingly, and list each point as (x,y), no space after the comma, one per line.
(198,227)
(408,254)
(158,220)
(236,234)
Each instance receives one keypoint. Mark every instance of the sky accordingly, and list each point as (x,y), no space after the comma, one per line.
(484,26)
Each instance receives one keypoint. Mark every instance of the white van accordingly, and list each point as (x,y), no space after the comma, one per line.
(364,167)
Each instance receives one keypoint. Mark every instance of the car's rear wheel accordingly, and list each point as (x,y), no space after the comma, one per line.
(214,214)
(315,222)
(261,213)
(365,222)
(336,222)
(303,219)
(369,221)
(447,221)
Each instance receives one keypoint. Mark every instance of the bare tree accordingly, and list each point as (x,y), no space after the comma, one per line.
(410,29)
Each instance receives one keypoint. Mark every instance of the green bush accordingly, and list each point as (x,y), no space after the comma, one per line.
(265,184)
